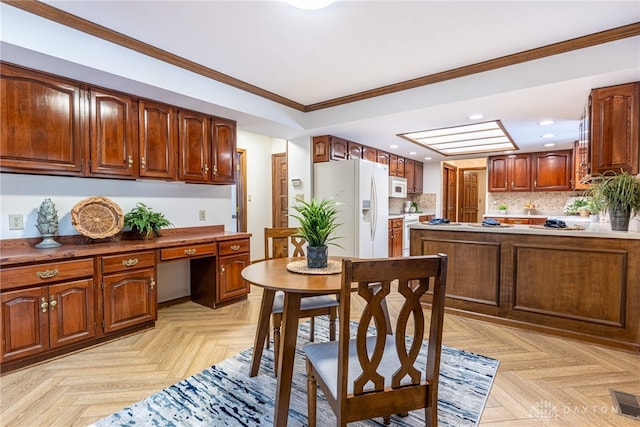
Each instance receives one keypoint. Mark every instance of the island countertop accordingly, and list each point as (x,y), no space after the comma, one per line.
(590,229)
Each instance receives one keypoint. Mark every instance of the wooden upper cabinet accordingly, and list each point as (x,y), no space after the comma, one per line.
(354,150)
(418,180)
(383,157)
(41,123)
(370,154)
(157,140)
(615,128)
(113,133)
(409,169)
(552,171)
(580,166)
(321,148)
(194,147)
(224,151)
(510,173)
(396,165)
(339,148)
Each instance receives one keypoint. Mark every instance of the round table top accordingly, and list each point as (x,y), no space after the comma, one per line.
(273,274)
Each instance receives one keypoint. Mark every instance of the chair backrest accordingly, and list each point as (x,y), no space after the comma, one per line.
(276,242)
(373,278)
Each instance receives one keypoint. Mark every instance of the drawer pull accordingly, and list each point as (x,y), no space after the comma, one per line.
(53,302)
(190,251)
(44,304)
(152,283)
(47,274)
(130,262)
(235,247)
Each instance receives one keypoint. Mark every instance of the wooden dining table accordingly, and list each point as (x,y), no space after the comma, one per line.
(272,275)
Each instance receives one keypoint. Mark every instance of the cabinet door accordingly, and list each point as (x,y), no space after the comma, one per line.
(339,148)
(580,166)
(498,179)
(615,128)
(157,140)
(25,323)
(418,177)
(224,151)
(129,299)
(230,282)
(409,173)
(194,147)
(398,240)
(383,157)
(71,312)
(354,150)
(321,148)
(112,132)
(519,172)
(552,171)
(369,154)
(40,124)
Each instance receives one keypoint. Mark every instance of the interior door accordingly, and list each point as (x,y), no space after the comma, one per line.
(469,196)
(280,192)
(449,191)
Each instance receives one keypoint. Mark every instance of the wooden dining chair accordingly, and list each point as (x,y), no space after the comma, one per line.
(372,371)
(276,245)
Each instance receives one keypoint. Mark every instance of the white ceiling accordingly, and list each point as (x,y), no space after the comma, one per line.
(353,46)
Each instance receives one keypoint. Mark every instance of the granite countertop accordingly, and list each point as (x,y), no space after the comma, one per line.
(591,229)
(395,215)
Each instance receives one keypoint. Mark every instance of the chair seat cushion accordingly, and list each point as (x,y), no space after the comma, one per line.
(306,303)
(323,356)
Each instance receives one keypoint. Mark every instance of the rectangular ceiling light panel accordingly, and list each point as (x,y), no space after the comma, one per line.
(487,137)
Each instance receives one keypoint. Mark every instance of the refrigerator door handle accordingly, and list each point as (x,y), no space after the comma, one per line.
(374,208)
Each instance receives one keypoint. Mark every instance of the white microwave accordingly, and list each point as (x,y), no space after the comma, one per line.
(397,187)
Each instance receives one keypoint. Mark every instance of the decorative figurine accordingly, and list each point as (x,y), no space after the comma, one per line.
(47,224)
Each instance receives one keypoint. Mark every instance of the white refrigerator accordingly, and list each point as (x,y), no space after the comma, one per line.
(362,189)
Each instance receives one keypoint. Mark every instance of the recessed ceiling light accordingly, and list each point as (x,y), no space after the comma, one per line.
(309,4)
(550,144)
(508,151)
(393,146)
(548,135)
(412,153)
(475,117)
(427,158)
(545,122)
(486,137)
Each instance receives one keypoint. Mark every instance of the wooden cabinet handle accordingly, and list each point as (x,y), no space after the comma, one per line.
(215,169)
(130,262)
(47,274)
(235,247)
(44,304)
(190,251)
(206,168)
(53,302)
(143,162)
(152,283)
(130,161)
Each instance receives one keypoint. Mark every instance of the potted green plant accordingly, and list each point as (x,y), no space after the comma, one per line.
(144,221)
(502,207)
(317,224)
(620,194)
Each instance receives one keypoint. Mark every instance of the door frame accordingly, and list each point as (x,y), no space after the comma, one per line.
(241,190)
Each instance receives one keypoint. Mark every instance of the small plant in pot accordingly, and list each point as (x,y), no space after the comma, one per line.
(620,193)
(317,224)
(502,207)
(144,221)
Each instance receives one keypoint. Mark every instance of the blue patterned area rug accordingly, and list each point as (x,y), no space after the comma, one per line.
(224,394)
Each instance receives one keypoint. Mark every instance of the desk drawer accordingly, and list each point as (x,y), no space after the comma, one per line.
(45,273)
(187,251)
(128,261)
(231,247)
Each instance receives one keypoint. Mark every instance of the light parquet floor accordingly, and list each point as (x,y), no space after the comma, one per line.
(542,380)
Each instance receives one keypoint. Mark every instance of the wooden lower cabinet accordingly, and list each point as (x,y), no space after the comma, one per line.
(41,318)
(233,256)
(395,237)
(129,293)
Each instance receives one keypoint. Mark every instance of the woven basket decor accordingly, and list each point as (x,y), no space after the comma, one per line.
(97,217)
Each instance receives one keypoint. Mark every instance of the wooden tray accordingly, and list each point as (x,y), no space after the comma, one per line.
(97,217)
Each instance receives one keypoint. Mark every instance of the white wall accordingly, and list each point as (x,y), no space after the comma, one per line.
(432,183)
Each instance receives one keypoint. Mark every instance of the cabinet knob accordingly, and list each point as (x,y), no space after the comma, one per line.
(535,183)
(53,302)
(130,262)
(206,168)
(152,283)
(47,274)
(130,161)
(222,269)
(44,304)
(143,162)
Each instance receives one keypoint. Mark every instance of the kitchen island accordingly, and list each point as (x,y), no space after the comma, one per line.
(579,284)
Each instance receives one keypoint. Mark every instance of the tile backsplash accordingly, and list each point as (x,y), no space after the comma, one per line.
(426,202)
(545,201)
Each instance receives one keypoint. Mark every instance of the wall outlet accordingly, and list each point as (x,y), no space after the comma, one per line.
(202,215)
(16,222)
(300,196)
